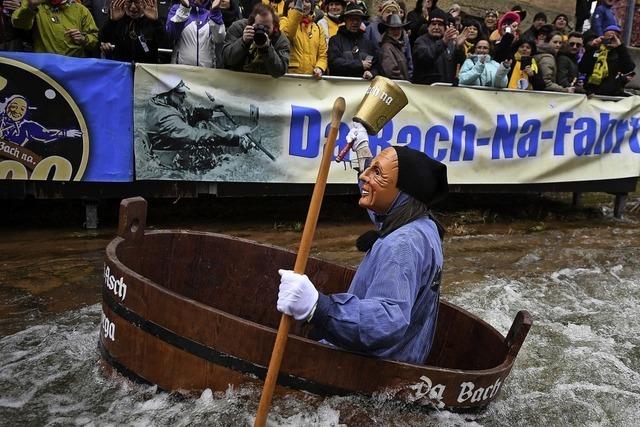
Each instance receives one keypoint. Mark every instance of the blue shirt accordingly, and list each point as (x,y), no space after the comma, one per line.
(602,17)
(23,131)
(391,307)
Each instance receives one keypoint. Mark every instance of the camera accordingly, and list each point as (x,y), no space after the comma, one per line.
(525,61)
(261,34)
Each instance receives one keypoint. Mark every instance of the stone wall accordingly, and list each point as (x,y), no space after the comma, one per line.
(478,7)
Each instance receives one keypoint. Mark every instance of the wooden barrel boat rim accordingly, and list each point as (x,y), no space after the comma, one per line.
(112,256)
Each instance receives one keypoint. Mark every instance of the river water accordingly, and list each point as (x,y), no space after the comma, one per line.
(576,270)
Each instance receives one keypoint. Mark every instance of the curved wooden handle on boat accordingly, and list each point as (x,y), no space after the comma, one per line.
(301,260)
(518,332)
(132,218)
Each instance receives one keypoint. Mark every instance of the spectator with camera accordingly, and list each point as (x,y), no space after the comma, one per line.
(568,59)
(437,54)
(608,64)
(133,32)
(256,45)
(480,70)
(331,21)
(307,40)
(547,62)
(393,62)
(351,54)
(195,26)
(525,73)
(59,26)
(508,24)
(386,9)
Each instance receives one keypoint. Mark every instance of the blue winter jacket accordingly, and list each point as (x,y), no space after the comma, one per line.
(602,17)
(391,307)
(490,74)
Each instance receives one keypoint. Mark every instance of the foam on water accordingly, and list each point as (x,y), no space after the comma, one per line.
(580,364)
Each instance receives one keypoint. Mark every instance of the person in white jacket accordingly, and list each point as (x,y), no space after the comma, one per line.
(196,26)
(480,70)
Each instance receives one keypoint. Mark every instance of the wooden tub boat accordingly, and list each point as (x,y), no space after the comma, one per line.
(194,310)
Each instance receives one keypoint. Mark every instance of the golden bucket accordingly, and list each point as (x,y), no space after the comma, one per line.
(383,100)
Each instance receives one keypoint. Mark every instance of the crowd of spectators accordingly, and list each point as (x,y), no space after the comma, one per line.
(425,45)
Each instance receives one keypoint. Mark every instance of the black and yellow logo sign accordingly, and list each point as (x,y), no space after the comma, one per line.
(43,135)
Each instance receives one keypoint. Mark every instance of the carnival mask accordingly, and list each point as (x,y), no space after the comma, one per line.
(380,179)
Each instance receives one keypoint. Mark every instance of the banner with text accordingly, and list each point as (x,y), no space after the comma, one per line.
(217,125)
(65,119)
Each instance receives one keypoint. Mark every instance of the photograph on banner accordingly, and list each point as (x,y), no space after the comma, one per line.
(195,124)
(45,131)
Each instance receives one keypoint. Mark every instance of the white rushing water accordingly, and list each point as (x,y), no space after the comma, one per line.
(580,364)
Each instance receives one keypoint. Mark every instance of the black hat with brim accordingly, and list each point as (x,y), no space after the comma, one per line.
(353,9)
(393,21)
(420,176)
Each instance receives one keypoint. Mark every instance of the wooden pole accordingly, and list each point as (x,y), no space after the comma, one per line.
(301,261)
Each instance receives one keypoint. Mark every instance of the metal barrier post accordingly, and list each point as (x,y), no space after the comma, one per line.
(628,24)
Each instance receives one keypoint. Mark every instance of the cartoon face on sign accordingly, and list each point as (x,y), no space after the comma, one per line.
(43,135)
(17,108)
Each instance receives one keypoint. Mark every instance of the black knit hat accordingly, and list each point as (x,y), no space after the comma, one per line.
(420,176)
(438,14)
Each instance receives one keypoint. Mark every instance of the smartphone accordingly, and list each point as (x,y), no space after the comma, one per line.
(525,61)
(606,41)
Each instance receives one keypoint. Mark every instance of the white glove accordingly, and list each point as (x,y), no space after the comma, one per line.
(358,135)
(297,296)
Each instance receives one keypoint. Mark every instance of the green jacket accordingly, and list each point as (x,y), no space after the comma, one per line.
(51,24)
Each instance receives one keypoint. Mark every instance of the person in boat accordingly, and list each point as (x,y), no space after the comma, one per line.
(391,306)
(169,123)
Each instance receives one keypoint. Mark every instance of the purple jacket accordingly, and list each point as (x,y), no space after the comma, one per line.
(195,31)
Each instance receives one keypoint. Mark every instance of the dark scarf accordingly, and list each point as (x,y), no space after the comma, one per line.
(404,210)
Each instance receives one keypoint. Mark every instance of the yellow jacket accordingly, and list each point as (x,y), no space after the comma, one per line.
(329,26)
(308,44)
